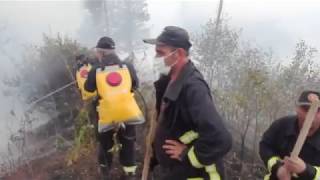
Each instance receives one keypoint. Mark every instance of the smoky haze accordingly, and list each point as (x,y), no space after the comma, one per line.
(272,24)
(23,24)
(285,20)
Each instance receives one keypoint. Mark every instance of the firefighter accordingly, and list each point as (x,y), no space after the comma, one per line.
(278,141)
(83,68)
(191,138)
(118,113)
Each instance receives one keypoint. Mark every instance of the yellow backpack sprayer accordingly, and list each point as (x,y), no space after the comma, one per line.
(81,77)
(117,103)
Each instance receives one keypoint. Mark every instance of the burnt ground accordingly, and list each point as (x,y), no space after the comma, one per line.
(56,166)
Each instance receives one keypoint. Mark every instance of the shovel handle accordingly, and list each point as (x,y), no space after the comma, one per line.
(315,103)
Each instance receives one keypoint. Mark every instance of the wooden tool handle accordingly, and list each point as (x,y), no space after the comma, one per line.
(149,150)
(306,125)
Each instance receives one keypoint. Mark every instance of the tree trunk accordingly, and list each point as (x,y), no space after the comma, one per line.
(243,140)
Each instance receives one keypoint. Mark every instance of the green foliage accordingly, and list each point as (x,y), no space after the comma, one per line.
(50,66)
(84,137)
(84,132)
(60,143)
(250,87)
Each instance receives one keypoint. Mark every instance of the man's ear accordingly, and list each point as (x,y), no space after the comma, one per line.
(181,52)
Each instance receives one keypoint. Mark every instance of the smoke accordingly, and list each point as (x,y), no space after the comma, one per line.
(23,23)
(266,22)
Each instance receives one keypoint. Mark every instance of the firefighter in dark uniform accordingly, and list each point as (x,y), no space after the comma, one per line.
(83,66)
(278,141)
(191,138)
(126,134)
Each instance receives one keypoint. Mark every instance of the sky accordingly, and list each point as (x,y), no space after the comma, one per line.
(276,24)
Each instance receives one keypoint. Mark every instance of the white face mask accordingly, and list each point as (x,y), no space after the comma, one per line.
(160,66)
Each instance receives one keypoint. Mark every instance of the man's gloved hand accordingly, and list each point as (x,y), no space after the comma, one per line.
(295,164)
(283,173)
(313,97)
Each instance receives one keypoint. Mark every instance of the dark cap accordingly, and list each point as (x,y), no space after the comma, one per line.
(304,100)
(80,57)
(106,43)
(172,36)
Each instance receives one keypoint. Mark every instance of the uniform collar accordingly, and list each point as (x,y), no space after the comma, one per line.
(173,90)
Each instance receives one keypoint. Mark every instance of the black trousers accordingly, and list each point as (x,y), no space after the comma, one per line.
(126,136)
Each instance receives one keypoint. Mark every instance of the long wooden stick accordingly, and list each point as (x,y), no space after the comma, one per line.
(306,126)
(149,150)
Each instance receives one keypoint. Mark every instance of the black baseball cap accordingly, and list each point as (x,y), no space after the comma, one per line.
(172,36)
(304,100)
(80,57)
(106,43)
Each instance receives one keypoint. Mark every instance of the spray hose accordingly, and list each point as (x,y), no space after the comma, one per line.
(32,104)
